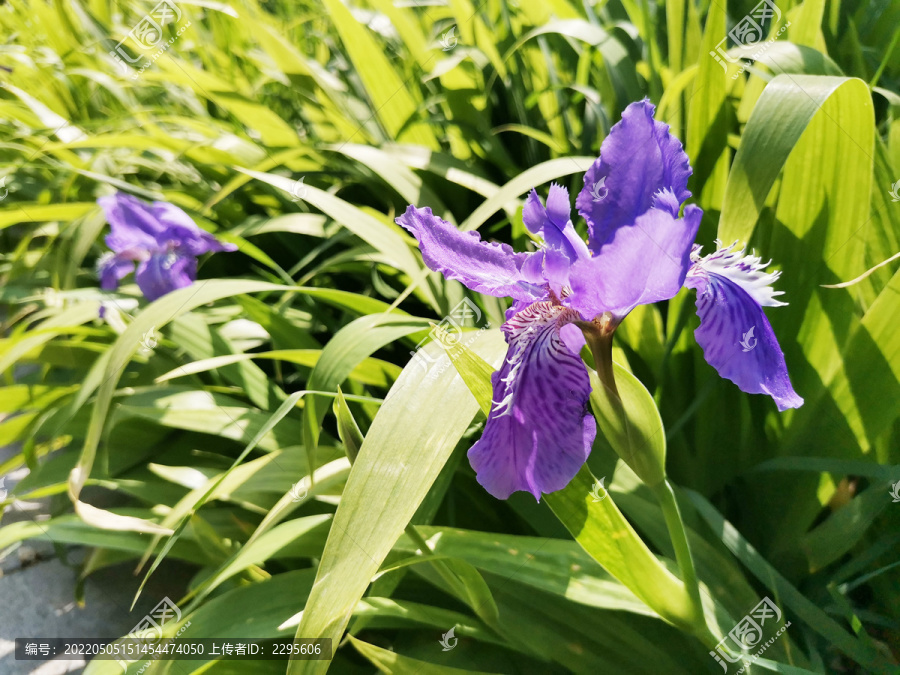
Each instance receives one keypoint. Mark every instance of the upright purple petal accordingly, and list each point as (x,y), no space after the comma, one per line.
(165,272)
(181,230)
(637,160)
(735,335)
(132,223)
(539,431)
(643,263)
(553,224)
(484,267)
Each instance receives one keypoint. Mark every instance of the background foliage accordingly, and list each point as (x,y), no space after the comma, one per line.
(213,433)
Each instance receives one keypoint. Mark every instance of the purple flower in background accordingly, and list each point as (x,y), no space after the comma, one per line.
(161,238)
(539,431)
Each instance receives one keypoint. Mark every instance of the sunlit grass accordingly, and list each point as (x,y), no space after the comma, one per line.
(298,131)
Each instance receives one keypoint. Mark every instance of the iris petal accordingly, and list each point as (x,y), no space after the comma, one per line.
(748,271)
(112,268)
(491,268)
(643,263)
(181,230)
(539,431)
(638,159)
(132,223)
(164,272)
(552,223)
(737,339)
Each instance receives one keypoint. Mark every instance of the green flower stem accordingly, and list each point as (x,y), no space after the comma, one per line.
(623,416)
(678,534)
(650,467)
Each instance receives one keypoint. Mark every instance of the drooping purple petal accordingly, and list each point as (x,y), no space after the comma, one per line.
(132,223)
(637,160)
(735,335)
(643,263)
(181,230)
(539,431)
(491,268)
(553,224)
(112,267)
(164,272)
(748,271)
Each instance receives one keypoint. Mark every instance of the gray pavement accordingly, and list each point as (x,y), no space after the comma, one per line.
(37,592)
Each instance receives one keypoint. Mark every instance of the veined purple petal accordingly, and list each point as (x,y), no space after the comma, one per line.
(553,224)
(132,223)
(643,263)
(637,160)
(539,431)
(516,307)
(491,268)
(164,272)
(735,335)
(184,232)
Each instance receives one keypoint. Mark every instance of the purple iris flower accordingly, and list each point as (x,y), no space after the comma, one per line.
(161,238)
(540,430)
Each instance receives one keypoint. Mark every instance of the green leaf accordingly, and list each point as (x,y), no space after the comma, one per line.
(348,429)
(390,98)
(390,662)
(598,525)
(208,413)
(370,371)
(846,526)
(286,407)
(708,113)
(553,565)
(347,348)
(280,540)
(41,213)
(772,579)
(806,29)
(786,108)
(603,532)
(379,235)
(105,372)
(387,612)
(631,424)
(534,176)
(403,452)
